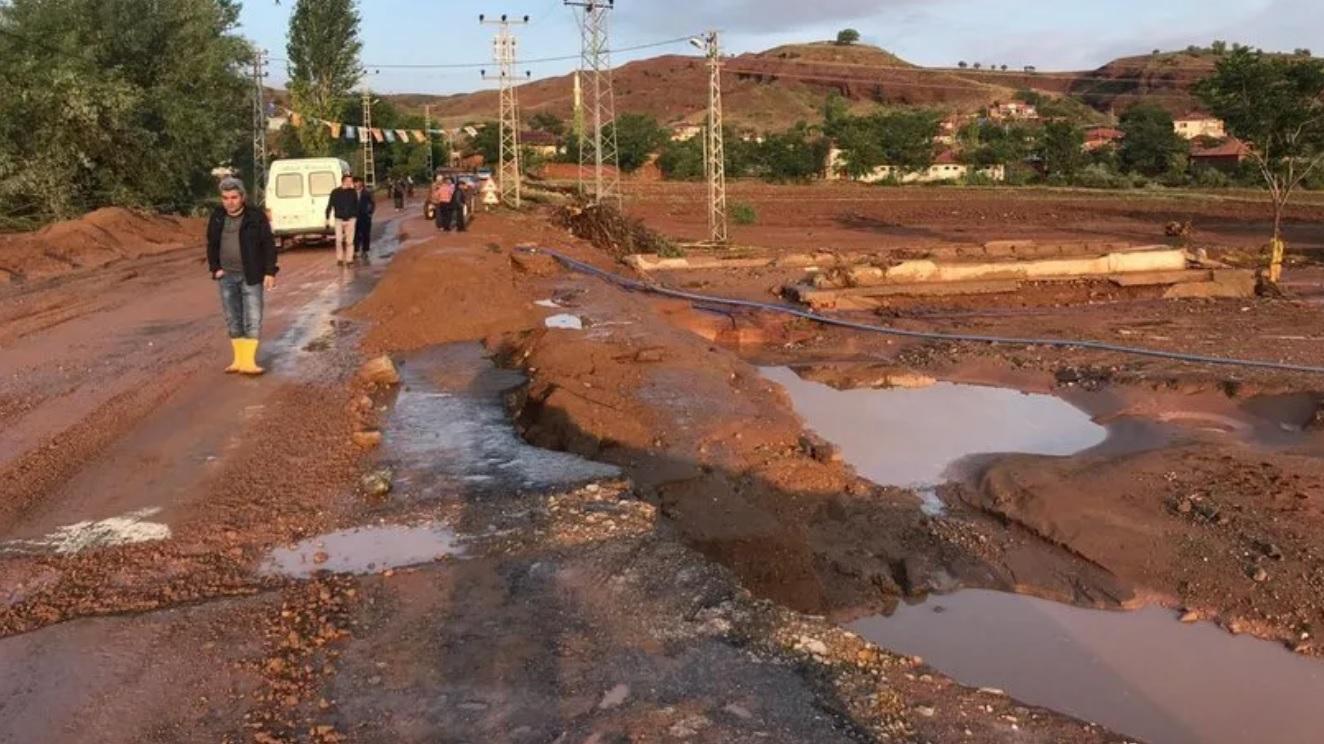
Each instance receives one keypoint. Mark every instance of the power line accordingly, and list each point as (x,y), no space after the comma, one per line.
(542,60)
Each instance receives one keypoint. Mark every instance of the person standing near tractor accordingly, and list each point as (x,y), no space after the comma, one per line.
(459,200)
(344,204)
(241,257)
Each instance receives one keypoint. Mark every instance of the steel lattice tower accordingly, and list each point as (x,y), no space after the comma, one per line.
(595,73)
(503,51)
(365,136)
(259,126)
(715,165)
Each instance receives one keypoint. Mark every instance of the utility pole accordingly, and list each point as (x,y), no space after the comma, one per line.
(259,126)
(427,132)
(365,134)
(503,51)
(714,145)
(595,73)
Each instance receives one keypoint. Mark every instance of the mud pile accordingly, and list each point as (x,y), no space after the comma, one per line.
(93,240)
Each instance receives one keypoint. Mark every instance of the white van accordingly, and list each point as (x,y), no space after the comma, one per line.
(297,192)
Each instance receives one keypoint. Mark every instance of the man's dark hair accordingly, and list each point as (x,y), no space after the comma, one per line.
(358,179)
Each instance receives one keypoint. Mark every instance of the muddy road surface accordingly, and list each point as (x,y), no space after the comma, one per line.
(479,497)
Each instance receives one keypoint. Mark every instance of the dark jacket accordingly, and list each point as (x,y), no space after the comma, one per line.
(344,202)
(367,205)
(257,247)
(460,196)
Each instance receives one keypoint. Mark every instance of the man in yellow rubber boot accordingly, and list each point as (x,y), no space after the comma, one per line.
(241,256)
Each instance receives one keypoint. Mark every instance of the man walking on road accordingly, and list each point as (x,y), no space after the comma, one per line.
(363,222)
(344,203)
(459,200)
(241,256)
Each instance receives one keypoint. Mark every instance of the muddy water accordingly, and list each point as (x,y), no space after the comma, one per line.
(912,437)
(364,550)
(1141,673)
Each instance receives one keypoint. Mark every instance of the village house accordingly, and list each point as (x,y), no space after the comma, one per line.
(1098,138)
(1193,126)
(1013,111)
(545,144)
(1226,156)
(946,167)
(685,132)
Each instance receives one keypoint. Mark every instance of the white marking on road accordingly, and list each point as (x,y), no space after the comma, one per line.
(129,529)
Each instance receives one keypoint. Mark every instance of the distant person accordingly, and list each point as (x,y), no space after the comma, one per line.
(241,256)
(409,186)
(363,220)
(443,193)
(398,193)
(459,198)
(344,204)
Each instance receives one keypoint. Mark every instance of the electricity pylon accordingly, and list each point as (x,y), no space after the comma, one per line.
(715,145)
(595,73)
(503,51)
(259,126)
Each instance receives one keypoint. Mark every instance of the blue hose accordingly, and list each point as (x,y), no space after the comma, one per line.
(634,284)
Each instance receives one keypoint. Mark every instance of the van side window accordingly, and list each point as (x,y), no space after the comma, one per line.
(289,185)
(321,183)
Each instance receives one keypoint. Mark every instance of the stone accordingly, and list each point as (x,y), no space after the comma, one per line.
(366,439)
(378,482)
(813,646)
(1184,506)
(615,697)
(739,711)
(648,356)
(1189,616)
(379,371)
(1259,575)
(926,710)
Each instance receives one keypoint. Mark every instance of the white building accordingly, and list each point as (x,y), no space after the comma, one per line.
(945,167)
(1194,126)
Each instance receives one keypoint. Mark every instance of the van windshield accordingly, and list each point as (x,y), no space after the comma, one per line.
(289,186)
(321,183)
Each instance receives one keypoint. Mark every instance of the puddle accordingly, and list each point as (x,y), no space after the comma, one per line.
(129,529)
(911,438)
(565,322)
(450,431)
(363,550)
(1141,674)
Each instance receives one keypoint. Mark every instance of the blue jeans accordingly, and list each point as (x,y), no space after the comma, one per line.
(242,305)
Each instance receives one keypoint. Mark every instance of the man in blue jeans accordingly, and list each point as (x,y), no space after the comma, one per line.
(241,256)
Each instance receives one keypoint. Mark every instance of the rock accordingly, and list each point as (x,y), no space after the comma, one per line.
(819,449)
(813,646)
(378,482)
(648,356)
(689,726)
(379,371)
(1272,551)
(739,711)
(1184,506)
(1259,575)
(1189,616)
(320,557)
(367,439)
(916,578)
(926,710)
(614,697)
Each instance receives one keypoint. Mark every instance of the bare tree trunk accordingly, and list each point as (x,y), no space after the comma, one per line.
(1277,248)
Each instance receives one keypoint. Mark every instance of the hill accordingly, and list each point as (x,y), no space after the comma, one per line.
(776,88)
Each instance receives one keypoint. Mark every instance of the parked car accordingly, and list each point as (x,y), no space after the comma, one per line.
(297,191)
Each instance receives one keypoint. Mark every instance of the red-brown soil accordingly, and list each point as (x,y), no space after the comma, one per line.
(91,241)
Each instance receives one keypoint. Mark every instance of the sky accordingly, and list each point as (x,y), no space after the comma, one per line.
(1050,34)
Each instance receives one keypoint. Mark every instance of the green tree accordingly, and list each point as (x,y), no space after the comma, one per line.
(117,102)
(797,154)
(988,143)
(323,48)
(544,121)
(1061,149)
(848,36)
(682,161)
(1275,105)
(638,136)
(901,138)
(836,109)
(1152,146)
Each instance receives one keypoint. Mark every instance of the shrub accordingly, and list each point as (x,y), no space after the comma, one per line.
(744,214)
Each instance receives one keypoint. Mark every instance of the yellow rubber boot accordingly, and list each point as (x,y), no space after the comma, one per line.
(234,365)
(248,357)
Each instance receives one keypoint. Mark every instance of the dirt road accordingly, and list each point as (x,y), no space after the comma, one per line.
(597,516)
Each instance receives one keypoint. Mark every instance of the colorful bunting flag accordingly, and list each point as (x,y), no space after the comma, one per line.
(390,136)
(335,129)
(349,131)
(418,136)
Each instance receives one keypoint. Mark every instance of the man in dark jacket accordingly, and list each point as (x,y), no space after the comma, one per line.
(241,256)
(363,223)
(344,203)
(459,199)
